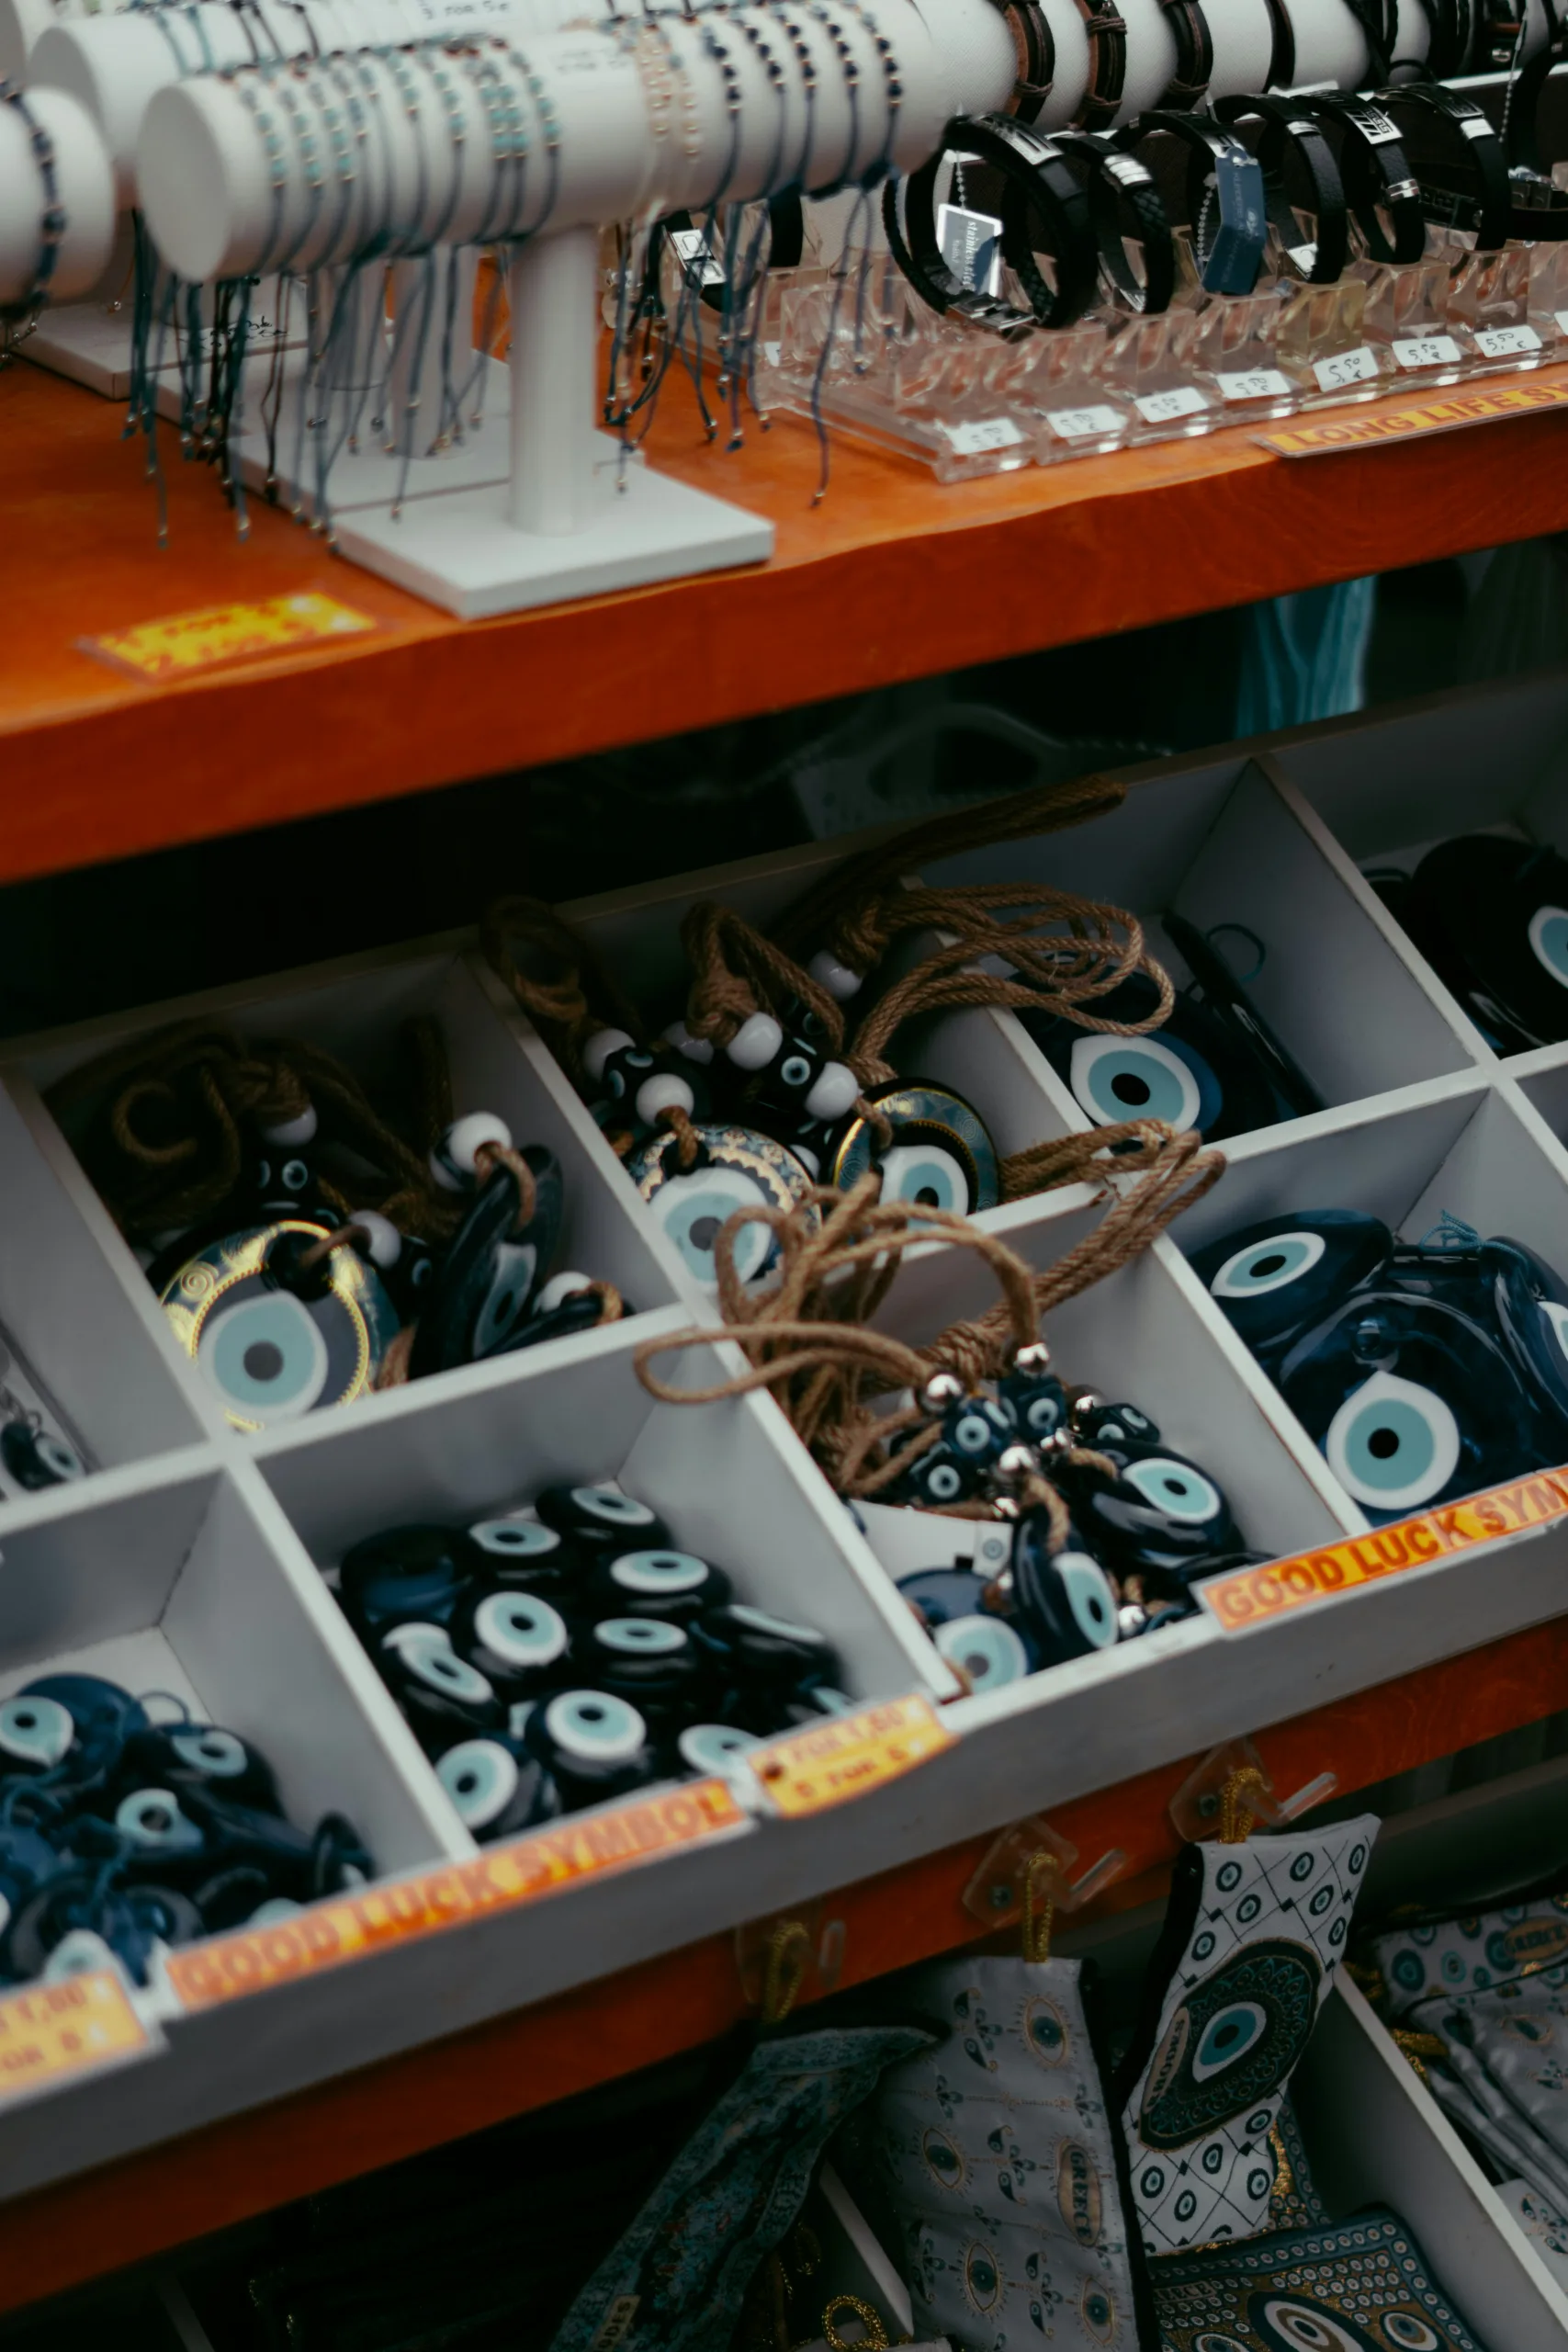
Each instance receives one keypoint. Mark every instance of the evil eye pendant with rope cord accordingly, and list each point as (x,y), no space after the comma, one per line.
(633,1084)
(1195,1071)
(737,1167)
(1491,914)
(271,1353)
(479,1300)
(1279,1277)
(1064,1598)
(940,1156)
(1161,1517)
(498,1786)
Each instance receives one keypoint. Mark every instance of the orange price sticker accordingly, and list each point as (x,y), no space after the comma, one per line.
(184,642)
(1251,1596)
(1445,416)
(849,1755)
(351,1926)
(53,2031)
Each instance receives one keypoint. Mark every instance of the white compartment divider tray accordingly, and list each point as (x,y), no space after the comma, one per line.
(191,1557)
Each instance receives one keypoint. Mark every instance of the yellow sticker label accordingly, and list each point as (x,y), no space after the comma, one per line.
(349,1927)
(1251,1596)
(182,642)
(849,1755)
(1407,423)
(56,2031)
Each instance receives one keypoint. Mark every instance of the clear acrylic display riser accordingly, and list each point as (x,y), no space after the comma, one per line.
(190,1558)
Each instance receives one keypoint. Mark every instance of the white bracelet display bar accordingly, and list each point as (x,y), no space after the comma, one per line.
(76,213)
(490,144)
(23,21)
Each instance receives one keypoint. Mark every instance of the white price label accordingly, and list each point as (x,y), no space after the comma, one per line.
(1345,367)
(1424,351)
(1163,408)
(973,440)
(1253,384)
(1504,343)
(1082,423)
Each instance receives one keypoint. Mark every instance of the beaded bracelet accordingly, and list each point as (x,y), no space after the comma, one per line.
(51,220)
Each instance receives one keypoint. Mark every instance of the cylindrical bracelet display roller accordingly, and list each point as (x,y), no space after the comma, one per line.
(1288,129)
(1039,185)
(1223,178)
(1478,196)
(1122,195)
(1380,188)
(1188,85)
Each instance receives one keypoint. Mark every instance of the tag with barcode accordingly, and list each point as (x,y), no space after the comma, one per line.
(971,246)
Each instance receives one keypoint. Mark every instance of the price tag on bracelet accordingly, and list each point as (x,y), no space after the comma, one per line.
(1165,408)
(1424,351)
(1253,384)
(977,438)
(1084,423)
(1345,367)
(848,1756)
(1506,343)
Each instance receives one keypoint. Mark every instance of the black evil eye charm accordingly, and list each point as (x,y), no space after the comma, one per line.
(478,1301)
(1492,915)
(1275,1278)
(991,1651)
(162,1841)
(1036,1398)
(940,1156)
(1064,1598)
(942,1596)
(978,1428)
(658,1583)
(739,1167)
(936,1477)
(1196,1072)
(1108,1427)
(267,1354)
(102,1717)
(801,1085)
(1160,1516)
(593,1744)
(645,1659)
(1529,1302)
(404,1573)
(35,1458)
(443,1696)
(498,1787)
(518,1641)
(714,1751)
(600,1519)
(525,1555)
(750,1644)
(615,1066)
(201,1756)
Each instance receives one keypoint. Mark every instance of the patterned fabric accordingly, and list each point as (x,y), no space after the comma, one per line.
(997,2159)
(1472,1954)
(1251,1942)
(677,2280)
(1361,2287)
(1509,2048)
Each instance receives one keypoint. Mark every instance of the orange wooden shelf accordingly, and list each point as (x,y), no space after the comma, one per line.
(100,2221)
(891,577)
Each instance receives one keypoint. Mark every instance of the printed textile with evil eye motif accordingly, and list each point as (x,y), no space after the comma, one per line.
(738,1167)
(1490,916)
(1356,2286)
(1252,1937)
(268,1353)
(940,1156)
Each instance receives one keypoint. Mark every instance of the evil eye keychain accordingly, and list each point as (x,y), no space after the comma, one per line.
(478,1302)
(737,1167)
(940,1156)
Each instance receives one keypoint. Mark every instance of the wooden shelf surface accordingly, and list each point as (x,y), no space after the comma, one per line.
(891,577)
(102,2220)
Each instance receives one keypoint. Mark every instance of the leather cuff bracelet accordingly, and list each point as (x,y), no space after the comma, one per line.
(1288,129)
(51,218)
(1194,53)
(1225,197)
(1122,196)
(1035,46)
(1107,32)
(1469,188)
(1451,28)
(1040,190)
(1378,186)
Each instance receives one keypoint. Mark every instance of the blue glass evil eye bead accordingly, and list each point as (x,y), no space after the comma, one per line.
(526,1556)
(1033,1395)
(648,1660)
(658,1582)
(714,1751)
(937,1476)
(101,1716)
(1277,1278)
(1195,1072)
(478,1302)
(35,1458)
(593,1744)
(1161,1516)
(131,1922)
(752,1645)
(940,1156)
(200,1755)
(1108,1427)
(600,1520)
(404,1573)
(1491,914)
(991,1650)
(1064,1598)
(738,1167)
(443,1696)
(517,1640)
(498,1786)
(268,1353)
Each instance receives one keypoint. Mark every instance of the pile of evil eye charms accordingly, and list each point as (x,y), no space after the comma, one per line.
(1145,1525)
(547,1663)
(758,1121)
(122,1836)
(1424,1371)
(288,1306)
(1490,914)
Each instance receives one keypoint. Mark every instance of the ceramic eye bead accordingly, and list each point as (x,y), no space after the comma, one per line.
(380,1240)
(699,1051)
(1107,1427)
(802,1084)
(454,1162)
(444,1697)
(939,1476)
(619,1070)
(36,1459)
(498,1786)
(523,1556)
(652,1662)
(978,1430)
(403,1573)
(714,1751)
(674,1586)
(517,1640)
(755,1044)
(593,1744)
(1039,1404)
(1064,1599)
(599,1519)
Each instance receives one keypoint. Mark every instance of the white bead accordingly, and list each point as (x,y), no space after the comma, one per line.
(600,1047)
(836,977)
(454,1162)
(834,1092)
(383,1243)
(289,1133)
(755,1042)
(558,1289)
(695,1049)
(665,1090)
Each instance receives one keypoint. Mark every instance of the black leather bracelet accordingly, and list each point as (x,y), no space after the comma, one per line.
(1287,127)
(1038,185)
(1122,191)
(1107,34)
(51,220)
(1035,46)
(1476,196)
(1378,184)
(1283,57)
(1189,85)
(1225,177)
(1449,30)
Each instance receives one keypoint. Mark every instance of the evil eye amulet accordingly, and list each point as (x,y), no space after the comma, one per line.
(1159,1517)
(498,1786)
(72,1726)
(593,1744)
(267,1354)
(940,1474)
(750,1644)
(278,1183)
(1277,1278)
(131,1921)
(526,1556)
(600,1519)
(658,1582)
(1492,915)
(978,1428)
(739,1167)
(991,1650)
(478,1301)
(404,1573)
(35,1458)
(645,1659)
(940,1156)
(1195,1072)
(1038,1402)
(801,1084)
(1109,1426)
(517,1640)
(715,1751)
(1064,1598)
(199,1756)
(443,1696)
